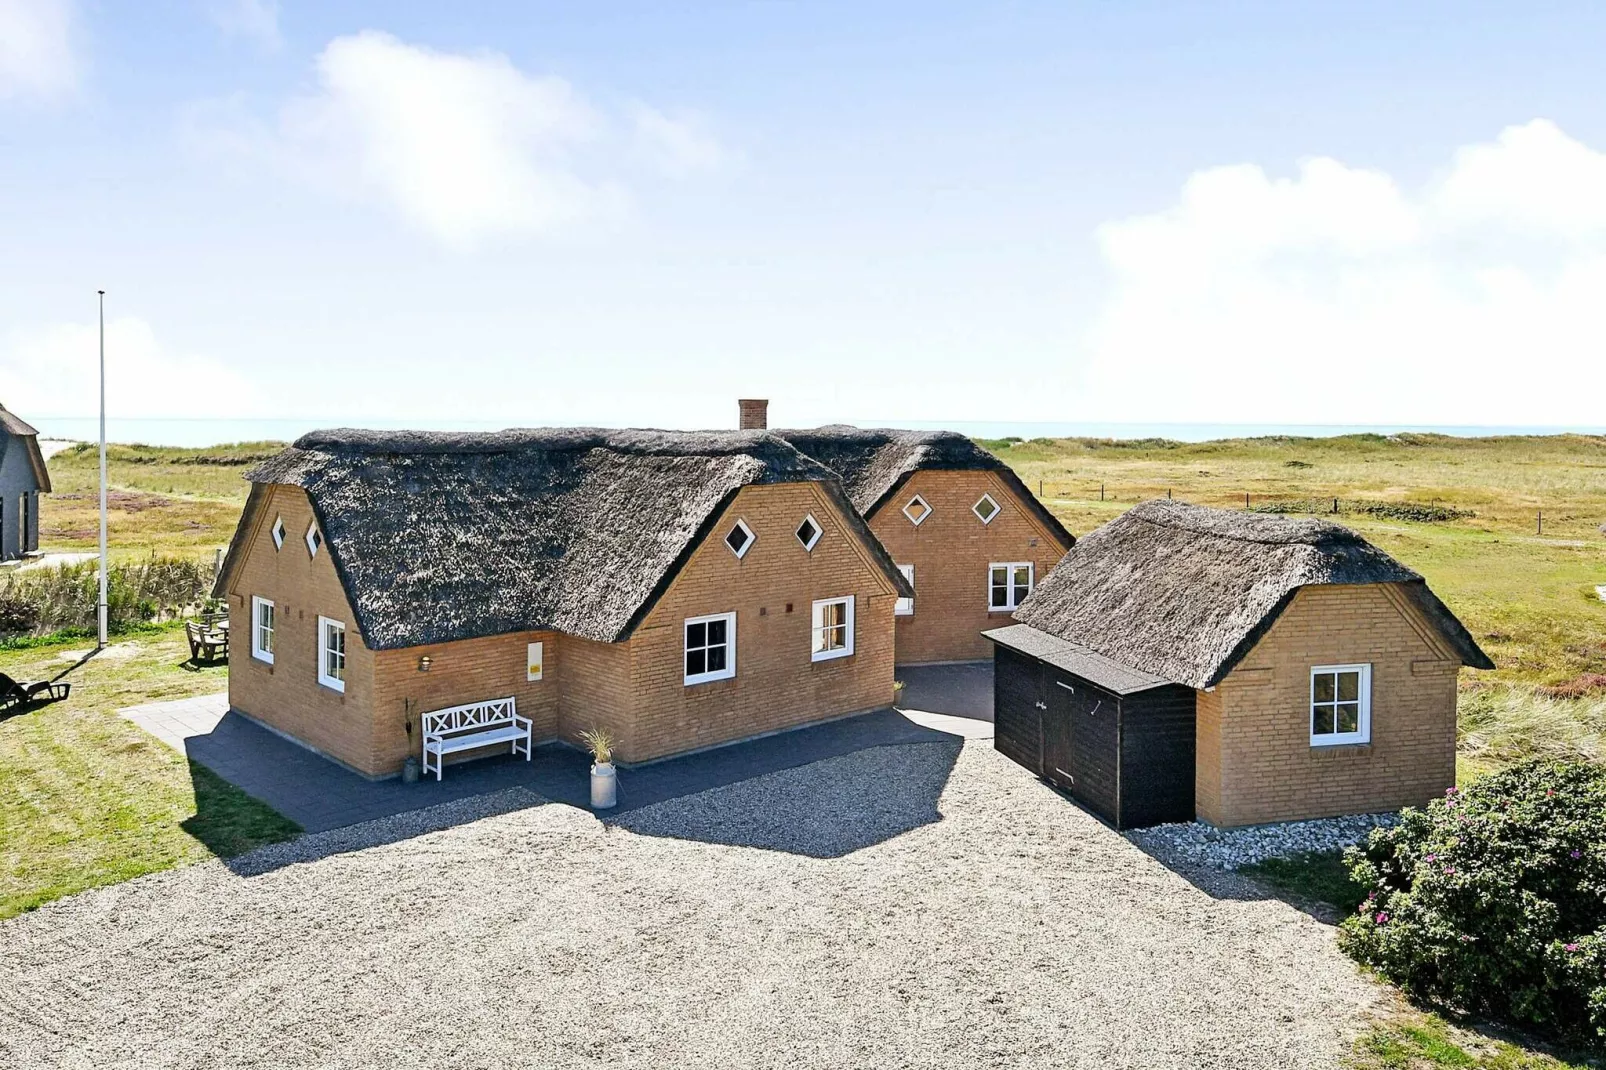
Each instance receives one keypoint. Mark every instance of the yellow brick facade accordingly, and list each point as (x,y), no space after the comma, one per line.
(1256,763)
(635,688)
(951,551)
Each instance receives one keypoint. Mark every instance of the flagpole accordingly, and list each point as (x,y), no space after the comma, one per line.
(102,603)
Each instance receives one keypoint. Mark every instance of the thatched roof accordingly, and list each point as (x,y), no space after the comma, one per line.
(1185,592)
(440,537)
(1111,675)
(16,429)
(875,462)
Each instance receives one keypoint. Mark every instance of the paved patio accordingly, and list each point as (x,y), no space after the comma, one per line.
(319,794)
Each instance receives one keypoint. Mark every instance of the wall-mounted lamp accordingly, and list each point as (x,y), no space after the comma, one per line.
(424,663)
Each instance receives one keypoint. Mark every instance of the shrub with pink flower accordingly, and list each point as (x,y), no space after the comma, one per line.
(1492,900)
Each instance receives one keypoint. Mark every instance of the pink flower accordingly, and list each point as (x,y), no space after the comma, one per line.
(1430,858)
(1450,791)
(1576,853)
(1382,917)
(1572,947)
(1449,869)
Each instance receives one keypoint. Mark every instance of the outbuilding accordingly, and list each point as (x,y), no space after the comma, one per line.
(1240,668)
(23,477)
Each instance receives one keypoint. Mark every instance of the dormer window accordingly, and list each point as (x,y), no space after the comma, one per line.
(808,532)
(278,533)
(314,539)
(917,510)
(740,538)
(985,509)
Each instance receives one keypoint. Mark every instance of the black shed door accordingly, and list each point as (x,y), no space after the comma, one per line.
(1081,736)
(1018,708)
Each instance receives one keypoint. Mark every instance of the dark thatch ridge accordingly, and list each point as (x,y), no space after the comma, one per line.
(13,426)
(875,462)
(1185,592)
(440,537)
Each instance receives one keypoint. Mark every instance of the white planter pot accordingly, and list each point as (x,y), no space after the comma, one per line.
(604,786)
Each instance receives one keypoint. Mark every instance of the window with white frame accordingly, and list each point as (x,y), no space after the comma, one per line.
(331,653)
(314,538)
(833,628)
(985,509)
(917,510)
(808,533)
(262,629)
(904,607)
(740,538)
(1340,704)
(1008,584)
(278,533)
(710,648)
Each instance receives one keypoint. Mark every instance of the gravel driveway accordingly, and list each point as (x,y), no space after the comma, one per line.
(1010,931)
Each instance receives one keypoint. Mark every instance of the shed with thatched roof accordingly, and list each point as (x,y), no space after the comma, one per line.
(600,578)
(1321,672)
(967,533)
(23,477)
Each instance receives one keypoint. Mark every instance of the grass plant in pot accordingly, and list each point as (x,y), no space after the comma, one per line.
(604,781)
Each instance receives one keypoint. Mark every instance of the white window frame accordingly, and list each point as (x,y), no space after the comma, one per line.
(748,545)
(277,531)
(925,516)
(334,683)
(314,539)
(729,671)
(1009,585)
(1363,721)
(259,650)
(905,607)
(817,626)
(818,531)
(996,509)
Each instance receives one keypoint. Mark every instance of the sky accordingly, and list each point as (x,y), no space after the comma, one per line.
(634,213)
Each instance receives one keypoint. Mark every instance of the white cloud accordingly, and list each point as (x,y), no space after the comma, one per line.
(55,371)
(1337,297)
(257,20)
(465,147)
(679,145)
(37,58)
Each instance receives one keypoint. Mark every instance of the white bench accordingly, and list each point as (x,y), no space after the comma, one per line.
(475,724)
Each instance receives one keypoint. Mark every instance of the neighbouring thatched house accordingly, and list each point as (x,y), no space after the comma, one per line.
(1237,667)
(970,537)
(681,590)
(23,478)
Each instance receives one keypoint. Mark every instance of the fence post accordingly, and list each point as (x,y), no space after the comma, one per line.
(1335,505)
(1246,499)
(1168,494)
(1101,492)
(1540,528)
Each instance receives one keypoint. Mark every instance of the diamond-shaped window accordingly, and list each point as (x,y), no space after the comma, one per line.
(986,509)
(917,510)
(278,533)
(740,538)
(314,539)
(808,532)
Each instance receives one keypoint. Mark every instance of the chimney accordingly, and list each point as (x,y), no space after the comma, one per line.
(755,413)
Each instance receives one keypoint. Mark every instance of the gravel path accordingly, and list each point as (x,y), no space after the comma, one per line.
(1011,931)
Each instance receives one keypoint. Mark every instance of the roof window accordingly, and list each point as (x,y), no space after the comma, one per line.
(985,509)
(917,510)
(808,533)
(740,538)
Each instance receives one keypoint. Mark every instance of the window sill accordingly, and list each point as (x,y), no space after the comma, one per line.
(1362,746)
(693,681)
(831,655)
(337,686)
(266,659)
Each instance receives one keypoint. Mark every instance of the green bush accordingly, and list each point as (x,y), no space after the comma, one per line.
(52,599)
(1492,900)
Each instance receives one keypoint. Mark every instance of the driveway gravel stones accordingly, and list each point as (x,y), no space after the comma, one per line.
(1194,843)
(923,905)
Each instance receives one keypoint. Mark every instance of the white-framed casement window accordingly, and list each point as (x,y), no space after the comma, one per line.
(262,622)
(833,629)
(1340,705)
(808,532)
(331,653)
(278,533)
(985,509)
(905,607)
(314,539)
(710,648)
(740,538)
(1008,584)
(917,509)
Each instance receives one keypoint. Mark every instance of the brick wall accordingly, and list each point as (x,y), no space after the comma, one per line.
(598,692)
(1268,770)
(286,694)
(776,685)
(1207,754)
(471,670)
(950,551)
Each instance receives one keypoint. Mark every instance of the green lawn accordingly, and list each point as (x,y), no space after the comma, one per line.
(90,799)
(1413,1040)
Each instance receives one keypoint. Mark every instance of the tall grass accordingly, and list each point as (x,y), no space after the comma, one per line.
(46,600)
(1504,723)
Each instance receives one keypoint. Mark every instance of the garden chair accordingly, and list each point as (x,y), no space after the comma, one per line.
(206,643)
(14,693)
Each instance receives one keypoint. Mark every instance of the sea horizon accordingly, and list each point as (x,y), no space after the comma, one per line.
(207,431)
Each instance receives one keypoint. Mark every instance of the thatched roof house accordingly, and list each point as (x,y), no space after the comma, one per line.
(439,547)
(1288,633)
(23,477)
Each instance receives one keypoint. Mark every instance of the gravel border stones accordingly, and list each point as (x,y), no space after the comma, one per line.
(1194,843)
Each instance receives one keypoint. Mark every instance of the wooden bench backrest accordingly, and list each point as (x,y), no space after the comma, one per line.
(470,717)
